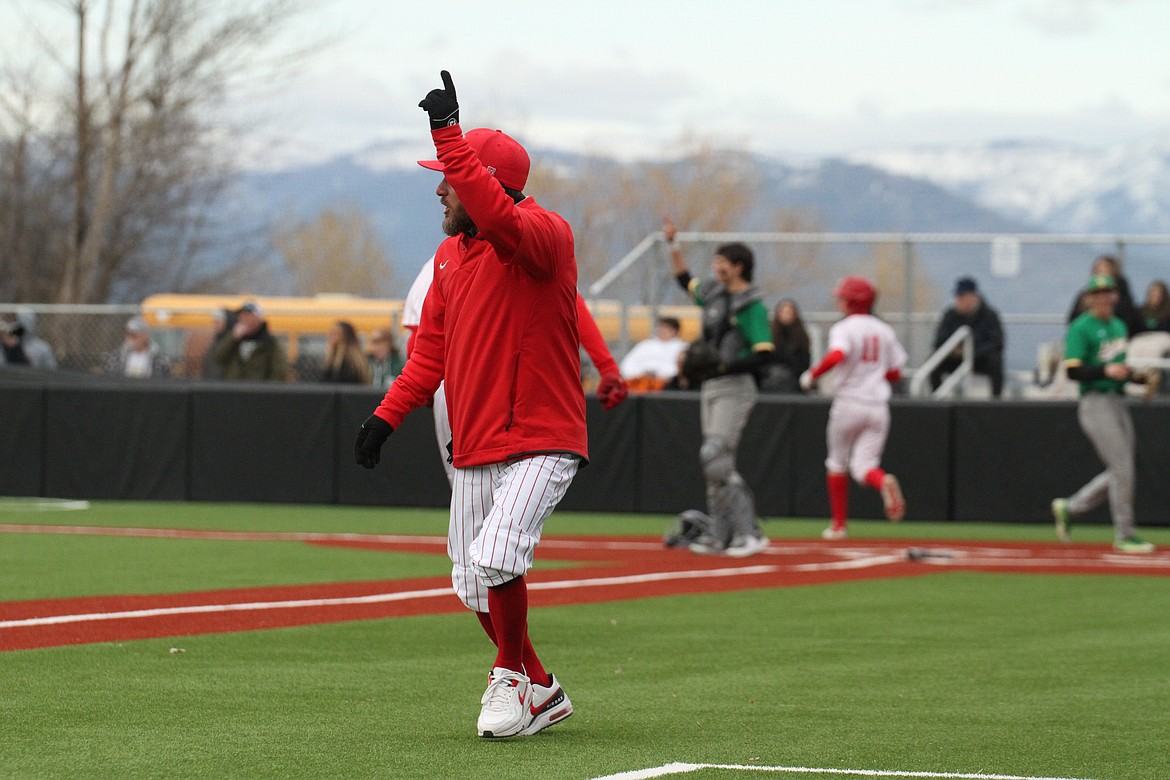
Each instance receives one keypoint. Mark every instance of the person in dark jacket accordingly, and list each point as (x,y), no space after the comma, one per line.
(250,351)
(986,331)
(1125,309)
(793,349)
(1155,309)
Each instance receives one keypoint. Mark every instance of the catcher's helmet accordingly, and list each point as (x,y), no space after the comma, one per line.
(686,528)
(857,293)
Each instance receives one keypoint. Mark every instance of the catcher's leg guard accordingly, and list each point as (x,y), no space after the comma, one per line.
(734,503)
(717,460)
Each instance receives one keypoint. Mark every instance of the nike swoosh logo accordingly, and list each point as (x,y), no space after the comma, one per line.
(443,264)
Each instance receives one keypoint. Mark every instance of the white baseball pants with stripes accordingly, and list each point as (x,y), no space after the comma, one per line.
(497,515)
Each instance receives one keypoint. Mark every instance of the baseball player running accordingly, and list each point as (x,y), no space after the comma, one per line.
(1094,355)
(611,389)
(499,327)
(738,338)
(868,357)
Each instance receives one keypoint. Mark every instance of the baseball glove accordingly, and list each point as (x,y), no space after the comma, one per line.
(700,363)
(1149,378)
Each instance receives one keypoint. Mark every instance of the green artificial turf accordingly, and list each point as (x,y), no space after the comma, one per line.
(1037,675)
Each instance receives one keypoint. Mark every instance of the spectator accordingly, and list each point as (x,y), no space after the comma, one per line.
(140,356)
(222,322)
(653,362)
(22,346)
(793,349)
(1125,310)
(250,351)
(344,361)
(1155,310)
(738,341)
(384,359)
(986,332)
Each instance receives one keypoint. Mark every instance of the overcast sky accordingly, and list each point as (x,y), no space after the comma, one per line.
(785,77)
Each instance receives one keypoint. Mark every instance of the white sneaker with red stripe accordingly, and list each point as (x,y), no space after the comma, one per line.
(505,704)
(549,705)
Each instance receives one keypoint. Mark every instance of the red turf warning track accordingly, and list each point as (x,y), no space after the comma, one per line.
(609,570)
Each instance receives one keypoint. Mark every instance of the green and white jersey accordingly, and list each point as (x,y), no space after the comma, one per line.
(1094,342)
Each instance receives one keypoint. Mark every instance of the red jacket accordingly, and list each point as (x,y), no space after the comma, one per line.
(499,325)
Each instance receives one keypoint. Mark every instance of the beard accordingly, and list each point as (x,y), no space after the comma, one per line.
(457,222)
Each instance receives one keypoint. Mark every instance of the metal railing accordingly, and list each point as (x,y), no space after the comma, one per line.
(953,382)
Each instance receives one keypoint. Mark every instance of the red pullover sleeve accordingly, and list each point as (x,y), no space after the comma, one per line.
(593,341)
(423,372)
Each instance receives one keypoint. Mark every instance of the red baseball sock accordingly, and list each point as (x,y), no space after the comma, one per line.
(874,478)
(508,609)
(532,665)
(838,497)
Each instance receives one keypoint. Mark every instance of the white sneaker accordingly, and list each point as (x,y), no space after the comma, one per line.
(548,706)
(743,545)
(505,704)
(892,500)
(833,534)
(707,544)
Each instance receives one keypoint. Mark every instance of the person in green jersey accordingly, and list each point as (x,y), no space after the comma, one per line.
(1094,356)
(738,336)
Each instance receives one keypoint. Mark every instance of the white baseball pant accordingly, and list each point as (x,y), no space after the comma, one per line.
(443,429)
(497,515)
(856,436)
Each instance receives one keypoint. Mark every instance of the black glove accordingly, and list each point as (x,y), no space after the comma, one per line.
(371,436)
(700,363)
(441,104)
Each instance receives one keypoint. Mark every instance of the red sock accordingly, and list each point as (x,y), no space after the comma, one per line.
(485,620)
(874,478)
(508,609)
(532,665)
(838,497)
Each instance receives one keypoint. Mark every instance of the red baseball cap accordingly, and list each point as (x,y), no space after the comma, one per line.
(500,154)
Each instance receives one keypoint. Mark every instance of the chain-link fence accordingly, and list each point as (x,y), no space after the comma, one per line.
(86,340)
(1032,280)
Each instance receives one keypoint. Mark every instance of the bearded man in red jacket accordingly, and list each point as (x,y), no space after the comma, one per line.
(499,326)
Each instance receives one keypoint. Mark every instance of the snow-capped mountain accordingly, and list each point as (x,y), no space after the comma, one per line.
(1117,189)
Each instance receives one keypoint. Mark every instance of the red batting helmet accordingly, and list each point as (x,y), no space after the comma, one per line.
(500,154)
(857,293)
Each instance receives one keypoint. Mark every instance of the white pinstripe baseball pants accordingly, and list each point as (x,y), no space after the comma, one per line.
(497,515)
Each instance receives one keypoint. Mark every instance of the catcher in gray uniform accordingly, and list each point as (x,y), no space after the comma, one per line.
(736,343)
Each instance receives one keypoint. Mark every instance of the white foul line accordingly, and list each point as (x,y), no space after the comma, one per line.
(679,768)
(374,598)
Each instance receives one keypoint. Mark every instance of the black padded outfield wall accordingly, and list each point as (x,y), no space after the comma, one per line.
(22,441)
(997,461)
(117,441)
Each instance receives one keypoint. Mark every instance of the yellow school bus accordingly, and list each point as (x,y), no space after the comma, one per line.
(300,323)
(296,321)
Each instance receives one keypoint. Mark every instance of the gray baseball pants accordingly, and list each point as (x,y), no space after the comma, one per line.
(1104,417)
(724,405)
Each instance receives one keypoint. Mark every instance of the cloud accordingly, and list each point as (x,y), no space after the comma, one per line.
(1066,18)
